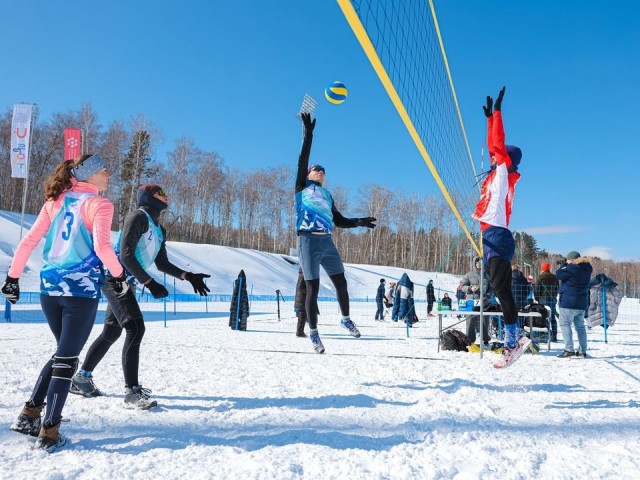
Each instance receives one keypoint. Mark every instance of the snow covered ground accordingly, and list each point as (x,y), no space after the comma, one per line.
(258,404)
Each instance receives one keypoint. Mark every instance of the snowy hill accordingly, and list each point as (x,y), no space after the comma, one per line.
(259,404)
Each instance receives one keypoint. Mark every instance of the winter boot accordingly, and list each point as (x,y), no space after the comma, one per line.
(83,385)
(316,342)
(138,398)
(50,438)
(347,323)
(28,422)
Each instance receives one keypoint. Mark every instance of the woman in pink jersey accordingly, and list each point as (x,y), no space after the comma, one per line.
(76,225)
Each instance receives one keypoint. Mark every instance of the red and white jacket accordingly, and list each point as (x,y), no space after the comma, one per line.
(498,187)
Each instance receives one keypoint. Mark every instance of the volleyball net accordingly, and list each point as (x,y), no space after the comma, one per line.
(403,43)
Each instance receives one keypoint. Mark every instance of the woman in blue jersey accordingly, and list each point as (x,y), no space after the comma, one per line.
(316,215)
(76,224)
(142,242)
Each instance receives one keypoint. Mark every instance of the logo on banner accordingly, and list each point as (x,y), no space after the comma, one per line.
(20,135)
(72,143)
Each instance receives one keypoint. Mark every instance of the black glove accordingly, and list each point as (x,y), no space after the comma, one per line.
(366,222)
(11,289)
(197,282)
(157,289)
(487,109)
(309,124)
(120,284)
(498,104)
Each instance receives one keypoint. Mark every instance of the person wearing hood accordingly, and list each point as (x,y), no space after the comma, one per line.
(75,222)
(142,242)
(575,278)
(379,300)
(493,211)
(403,303)
(316,217)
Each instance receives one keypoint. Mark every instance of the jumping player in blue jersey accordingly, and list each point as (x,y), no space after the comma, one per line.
(316,215)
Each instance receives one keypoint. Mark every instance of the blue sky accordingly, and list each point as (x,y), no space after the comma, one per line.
(231,75)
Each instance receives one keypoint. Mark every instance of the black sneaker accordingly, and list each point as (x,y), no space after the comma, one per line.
(567,354)
(580,354)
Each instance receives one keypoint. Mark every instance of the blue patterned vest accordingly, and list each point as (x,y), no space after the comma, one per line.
(314,209)
(71,267)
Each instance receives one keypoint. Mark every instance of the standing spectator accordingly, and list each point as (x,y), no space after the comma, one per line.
(316,215)
(379,300)
(546,292)
(471,287)
(460,295)
(575,277)
(446,301)
(142,242)
(76,224)
(493,211)
(431,297)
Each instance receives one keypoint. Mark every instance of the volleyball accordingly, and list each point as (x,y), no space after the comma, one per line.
(336,92)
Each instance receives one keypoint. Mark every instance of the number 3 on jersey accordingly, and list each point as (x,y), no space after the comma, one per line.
(68,220)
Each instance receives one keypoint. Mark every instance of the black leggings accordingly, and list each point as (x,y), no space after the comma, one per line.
(311,300)
(500,279)
(122,313)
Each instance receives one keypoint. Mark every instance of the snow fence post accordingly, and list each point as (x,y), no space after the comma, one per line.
(7,311)
(164,300)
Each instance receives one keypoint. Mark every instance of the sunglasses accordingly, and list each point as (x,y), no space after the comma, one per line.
(318,168)
(161,193)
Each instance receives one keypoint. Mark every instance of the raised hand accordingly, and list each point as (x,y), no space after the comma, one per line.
(498,104)
(197,282)
(487,109)
(309,124)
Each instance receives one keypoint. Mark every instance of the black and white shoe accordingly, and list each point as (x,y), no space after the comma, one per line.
(138,398)
(83,385)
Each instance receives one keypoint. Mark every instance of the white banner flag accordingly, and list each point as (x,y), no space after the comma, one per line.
(20,133)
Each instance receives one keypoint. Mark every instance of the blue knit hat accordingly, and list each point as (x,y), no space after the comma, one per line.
(89,167)
(516,155)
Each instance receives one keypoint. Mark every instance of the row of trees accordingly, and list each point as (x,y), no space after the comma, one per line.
(212,202)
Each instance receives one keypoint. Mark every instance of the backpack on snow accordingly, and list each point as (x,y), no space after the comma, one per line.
(538,322)
(454,340)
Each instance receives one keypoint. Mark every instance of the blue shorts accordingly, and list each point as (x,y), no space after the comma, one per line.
(316,250)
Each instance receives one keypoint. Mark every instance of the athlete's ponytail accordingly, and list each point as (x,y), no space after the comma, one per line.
(60,180)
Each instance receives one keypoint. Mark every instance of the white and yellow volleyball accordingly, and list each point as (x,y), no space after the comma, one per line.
(336,92)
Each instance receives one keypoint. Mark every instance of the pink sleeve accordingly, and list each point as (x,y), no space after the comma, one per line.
(102,210)
(30,241)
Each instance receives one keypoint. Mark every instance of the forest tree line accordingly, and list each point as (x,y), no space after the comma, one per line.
(212,202)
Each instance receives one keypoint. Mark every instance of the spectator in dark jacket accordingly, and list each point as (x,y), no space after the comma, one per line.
(575,277)
(546,292)
(471,285)
(446,301)
(519,286)
(379,300)
(431,297)
(460,295)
